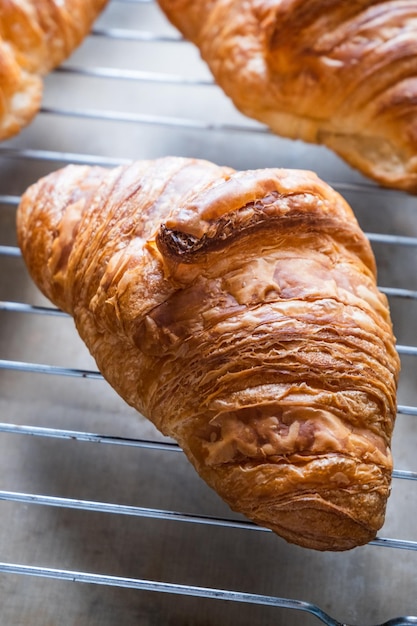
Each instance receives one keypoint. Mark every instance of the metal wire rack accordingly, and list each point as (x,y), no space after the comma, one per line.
(153,96)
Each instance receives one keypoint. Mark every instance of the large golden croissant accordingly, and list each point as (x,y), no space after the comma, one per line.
(35,37)
(343,74)
(239,312)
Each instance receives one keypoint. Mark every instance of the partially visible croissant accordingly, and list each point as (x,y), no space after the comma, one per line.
(343,74)
(35,37)
(239,312)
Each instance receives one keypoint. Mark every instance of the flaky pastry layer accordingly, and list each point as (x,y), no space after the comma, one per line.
(239,312)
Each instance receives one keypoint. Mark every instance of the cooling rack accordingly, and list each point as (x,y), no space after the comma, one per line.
(103,520)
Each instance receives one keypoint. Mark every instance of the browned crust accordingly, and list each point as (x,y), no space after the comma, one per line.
(239,312)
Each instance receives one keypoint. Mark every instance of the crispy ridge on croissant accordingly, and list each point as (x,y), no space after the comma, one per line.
(343,74)
(239,312)
(35,37)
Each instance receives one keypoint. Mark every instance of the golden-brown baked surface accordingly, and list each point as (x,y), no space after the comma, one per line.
(35,37)
(239,312)
(343,74)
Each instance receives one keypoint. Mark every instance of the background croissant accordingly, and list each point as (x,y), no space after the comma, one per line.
(35,37)
(343,74)
(239,312)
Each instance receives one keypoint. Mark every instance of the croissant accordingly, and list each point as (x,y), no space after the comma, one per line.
(343,74)
(238,311)
(35,37)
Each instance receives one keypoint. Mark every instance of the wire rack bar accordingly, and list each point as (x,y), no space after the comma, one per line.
(394,292)
(386,542)
(122,509)
(154,120)
(40,368)
(136,511)
(133,75)
(406,350)
(10,251)
(125,34)
(57,433)
(403,409)
(404,474)
(134,1)
(73,435)
(8,199)
(173,588)
(63,157)
(21,307)
(400,240)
